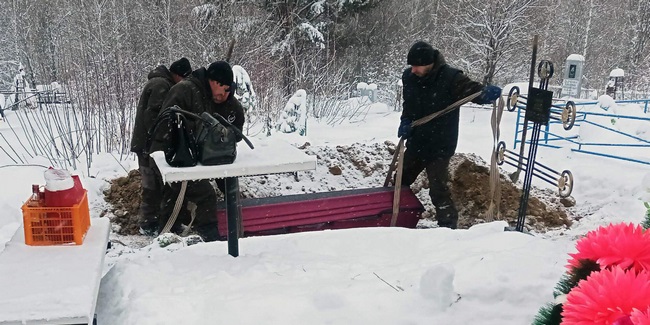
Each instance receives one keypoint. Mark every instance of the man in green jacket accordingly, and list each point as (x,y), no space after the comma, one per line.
(205,90)
(160,80)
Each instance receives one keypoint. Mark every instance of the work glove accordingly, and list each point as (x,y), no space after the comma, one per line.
(489,94)
(405,128)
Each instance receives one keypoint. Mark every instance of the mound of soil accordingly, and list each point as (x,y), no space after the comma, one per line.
(471,192)
(124,197)
(366,165)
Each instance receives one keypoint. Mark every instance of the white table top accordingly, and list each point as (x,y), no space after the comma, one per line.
(52,284)
(268,157)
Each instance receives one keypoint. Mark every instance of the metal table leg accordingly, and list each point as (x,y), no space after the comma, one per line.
(232,209)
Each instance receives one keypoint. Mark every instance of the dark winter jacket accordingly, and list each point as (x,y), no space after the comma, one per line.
(434,92)
(193,94)
(151,100)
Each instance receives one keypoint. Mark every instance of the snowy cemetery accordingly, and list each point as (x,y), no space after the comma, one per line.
(552,183)
(22,95)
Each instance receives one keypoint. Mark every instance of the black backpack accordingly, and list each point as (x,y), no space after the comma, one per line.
(179,142)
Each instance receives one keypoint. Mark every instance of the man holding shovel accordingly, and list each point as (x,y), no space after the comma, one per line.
(430,86)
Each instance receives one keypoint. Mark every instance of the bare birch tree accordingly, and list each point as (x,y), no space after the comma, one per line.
(491,33)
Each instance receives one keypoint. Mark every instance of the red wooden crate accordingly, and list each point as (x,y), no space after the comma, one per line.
(371,207)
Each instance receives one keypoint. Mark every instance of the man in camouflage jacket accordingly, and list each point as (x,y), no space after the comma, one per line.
(160,80)
(205,90)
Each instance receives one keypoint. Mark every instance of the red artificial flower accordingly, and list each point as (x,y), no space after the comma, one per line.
(625,245)
(606,297)
(640,317)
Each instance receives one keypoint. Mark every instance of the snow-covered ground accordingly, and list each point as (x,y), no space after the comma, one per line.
(482,275)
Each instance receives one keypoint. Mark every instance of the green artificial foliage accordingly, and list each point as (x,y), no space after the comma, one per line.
(549,315)
(646,222)
(565,285)
(577,274)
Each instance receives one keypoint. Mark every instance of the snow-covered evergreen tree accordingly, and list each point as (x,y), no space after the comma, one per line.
(307,29)
(244,92)
(294,116)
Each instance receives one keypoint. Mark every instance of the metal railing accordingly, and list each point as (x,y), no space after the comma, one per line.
(554,140)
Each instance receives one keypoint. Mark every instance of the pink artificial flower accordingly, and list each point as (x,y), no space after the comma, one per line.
(625,245)
(606,297)
(625,320)
(639,317)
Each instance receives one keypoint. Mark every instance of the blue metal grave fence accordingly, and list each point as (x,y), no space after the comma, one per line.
(554,140)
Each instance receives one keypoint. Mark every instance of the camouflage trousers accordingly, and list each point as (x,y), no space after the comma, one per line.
(151,193)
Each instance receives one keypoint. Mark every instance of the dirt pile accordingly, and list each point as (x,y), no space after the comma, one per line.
(471,192)
(124,197)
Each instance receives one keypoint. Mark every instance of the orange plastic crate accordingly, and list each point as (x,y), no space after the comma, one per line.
(56,225)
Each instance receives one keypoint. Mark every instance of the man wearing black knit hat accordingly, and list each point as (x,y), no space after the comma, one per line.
(160,80)
(429,86)
(205,90)
(181,69)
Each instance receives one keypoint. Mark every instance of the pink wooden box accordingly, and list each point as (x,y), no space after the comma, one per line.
(370,207)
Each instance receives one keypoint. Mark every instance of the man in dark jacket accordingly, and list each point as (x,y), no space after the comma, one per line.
(205,90)
(153,94)
(429,86)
